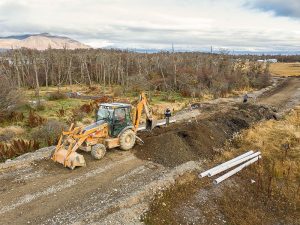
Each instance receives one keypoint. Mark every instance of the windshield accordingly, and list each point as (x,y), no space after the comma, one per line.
(104,113)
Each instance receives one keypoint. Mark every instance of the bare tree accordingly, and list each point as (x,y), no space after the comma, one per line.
(37,84)
(189,73)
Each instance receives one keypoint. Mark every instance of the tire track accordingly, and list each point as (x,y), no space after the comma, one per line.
(63,185)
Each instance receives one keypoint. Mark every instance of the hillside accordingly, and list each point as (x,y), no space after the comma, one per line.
(40,42)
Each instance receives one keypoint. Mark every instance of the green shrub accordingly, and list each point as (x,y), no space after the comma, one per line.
(52,96)
(49,133)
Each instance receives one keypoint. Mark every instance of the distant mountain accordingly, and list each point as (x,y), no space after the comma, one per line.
(40,42)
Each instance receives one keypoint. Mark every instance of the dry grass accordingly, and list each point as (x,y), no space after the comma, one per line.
(285,69)
(279,142)
(95,90)
(87,121)
(17,130)
(159,108)
(17,147)
(7,133)
(241,91)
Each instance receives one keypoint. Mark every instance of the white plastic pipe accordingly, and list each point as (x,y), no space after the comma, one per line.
(236,170)
(141,128)
(226,167)
(164,122)
(205,173)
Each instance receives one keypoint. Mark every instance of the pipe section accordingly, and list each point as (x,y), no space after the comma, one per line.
(236,170)
(205,173)
(226,167)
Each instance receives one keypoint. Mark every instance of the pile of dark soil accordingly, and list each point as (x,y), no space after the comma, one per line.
(198,139)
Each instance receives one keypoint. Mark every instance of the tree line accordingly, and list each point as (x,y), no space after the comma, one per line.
(190,73)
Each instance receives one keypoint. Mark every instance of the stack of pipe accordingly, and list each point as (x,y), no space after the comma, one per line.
(247,159)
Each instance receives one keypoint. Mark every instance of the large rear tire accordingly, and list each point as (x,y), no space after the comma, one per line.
(98,151)
(127,140)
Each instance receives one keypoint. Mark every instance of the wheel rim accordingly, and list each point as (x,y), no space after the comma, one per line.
(128,139)
(98,151)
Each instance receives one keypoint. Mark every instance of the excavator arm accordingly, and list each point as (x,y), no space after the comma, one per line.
(142,105)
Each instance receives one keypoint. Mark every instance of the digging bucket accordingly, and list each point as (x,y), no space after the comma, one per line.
(150,124)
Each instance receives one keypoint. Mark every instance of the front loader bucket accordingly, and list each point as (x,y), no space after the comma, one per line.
(74,159)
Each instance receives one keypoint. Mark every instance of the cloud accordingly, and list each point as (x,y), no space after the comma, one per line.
(288,8)
(189,24)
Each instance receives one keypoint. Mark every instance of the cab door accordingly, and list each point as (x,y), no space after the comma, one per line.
(120,121)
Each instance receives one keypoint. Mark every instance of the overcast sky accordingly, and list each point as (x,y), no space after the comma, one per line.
(258,25)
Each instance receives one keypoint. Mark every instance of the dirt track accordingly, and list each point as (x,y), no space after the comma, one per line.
(116,190)
(56,195)
(284,96)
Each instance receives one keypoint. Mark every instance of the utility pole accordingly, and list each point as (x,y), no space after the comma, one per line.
(174,65)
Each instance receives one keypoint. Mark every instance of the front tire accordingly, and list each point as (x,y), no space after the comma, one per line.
(98,151)
(127,140)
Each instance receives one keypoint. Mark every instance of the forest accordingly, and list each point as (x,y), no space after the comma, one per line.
(191,74)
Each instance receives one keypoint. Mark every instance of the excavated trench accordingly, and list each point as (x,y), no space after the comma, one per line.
(199,139)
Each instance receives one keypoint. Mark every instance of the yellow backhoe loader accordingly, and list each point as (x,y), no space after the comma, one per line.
(113,128)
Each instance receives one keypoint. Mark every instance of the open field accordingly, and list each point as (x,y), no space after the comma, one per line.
(120,188)
(285,69)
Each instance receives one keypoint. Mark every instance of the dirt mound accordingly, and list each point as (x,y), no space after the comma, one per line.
(198,139)
(159,148)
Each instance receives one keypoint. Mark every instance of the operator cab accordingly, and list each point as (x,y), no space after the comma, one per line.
(117,115)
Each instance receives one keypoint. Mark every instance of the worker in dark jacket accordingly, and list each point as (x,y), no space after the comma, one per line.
(245,98)
(168,115)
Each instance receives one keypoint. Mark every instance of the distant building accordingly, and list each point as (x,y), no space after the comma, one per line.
(268,60)
(272,60)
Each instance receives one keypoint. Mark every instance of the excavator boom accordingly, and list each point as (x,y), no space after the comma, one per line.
(142,105)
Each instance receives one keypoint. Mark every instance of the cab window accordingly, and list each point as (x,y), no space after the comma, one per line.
(120,115)
(104,113)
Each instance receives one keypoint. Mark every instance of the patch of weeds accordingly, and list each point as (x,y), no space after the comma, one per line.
(52,96)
